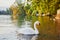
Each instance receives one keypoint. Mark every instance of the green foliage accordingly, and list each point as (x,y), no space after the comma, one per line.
(45,6)
(21,14)
(27,7)
(40,6)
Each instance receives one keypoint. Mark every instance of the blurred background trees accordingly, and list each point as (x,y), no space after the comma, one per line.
(32,7)
(45,6)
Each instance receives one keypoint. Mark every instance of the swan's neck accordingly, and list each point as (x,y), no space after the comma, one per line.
(36,30)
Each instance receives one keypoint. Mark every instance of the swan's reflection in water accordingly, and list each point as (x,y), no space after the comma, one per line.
(27,37)
(37,37)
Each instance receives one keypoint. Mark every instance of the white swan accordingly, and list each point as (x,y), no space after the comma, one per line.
(29,30)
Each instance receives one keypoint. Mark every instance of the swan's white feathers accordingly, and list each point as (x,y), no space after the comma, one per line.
(26,31)
(29,30)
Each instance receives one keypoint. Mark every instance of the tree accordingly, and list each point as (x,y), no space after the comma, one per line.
(45,6)
(8,11)
(14,8)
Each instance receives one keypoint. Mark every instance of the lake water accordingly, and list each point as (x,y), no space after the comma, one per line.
(49,30)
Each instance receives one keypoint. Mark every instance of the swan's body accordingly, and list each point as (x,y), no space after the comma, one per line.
(29,30)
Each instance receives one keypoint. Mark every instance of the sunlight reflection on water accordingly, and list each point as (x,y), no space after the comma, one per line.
(7,28)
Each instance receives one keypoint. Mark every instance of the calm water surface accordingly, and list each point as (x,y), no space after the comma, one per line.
(49,30)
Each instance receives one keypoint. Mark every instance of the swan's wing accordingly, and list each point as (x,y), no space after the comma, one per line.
(26,31)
